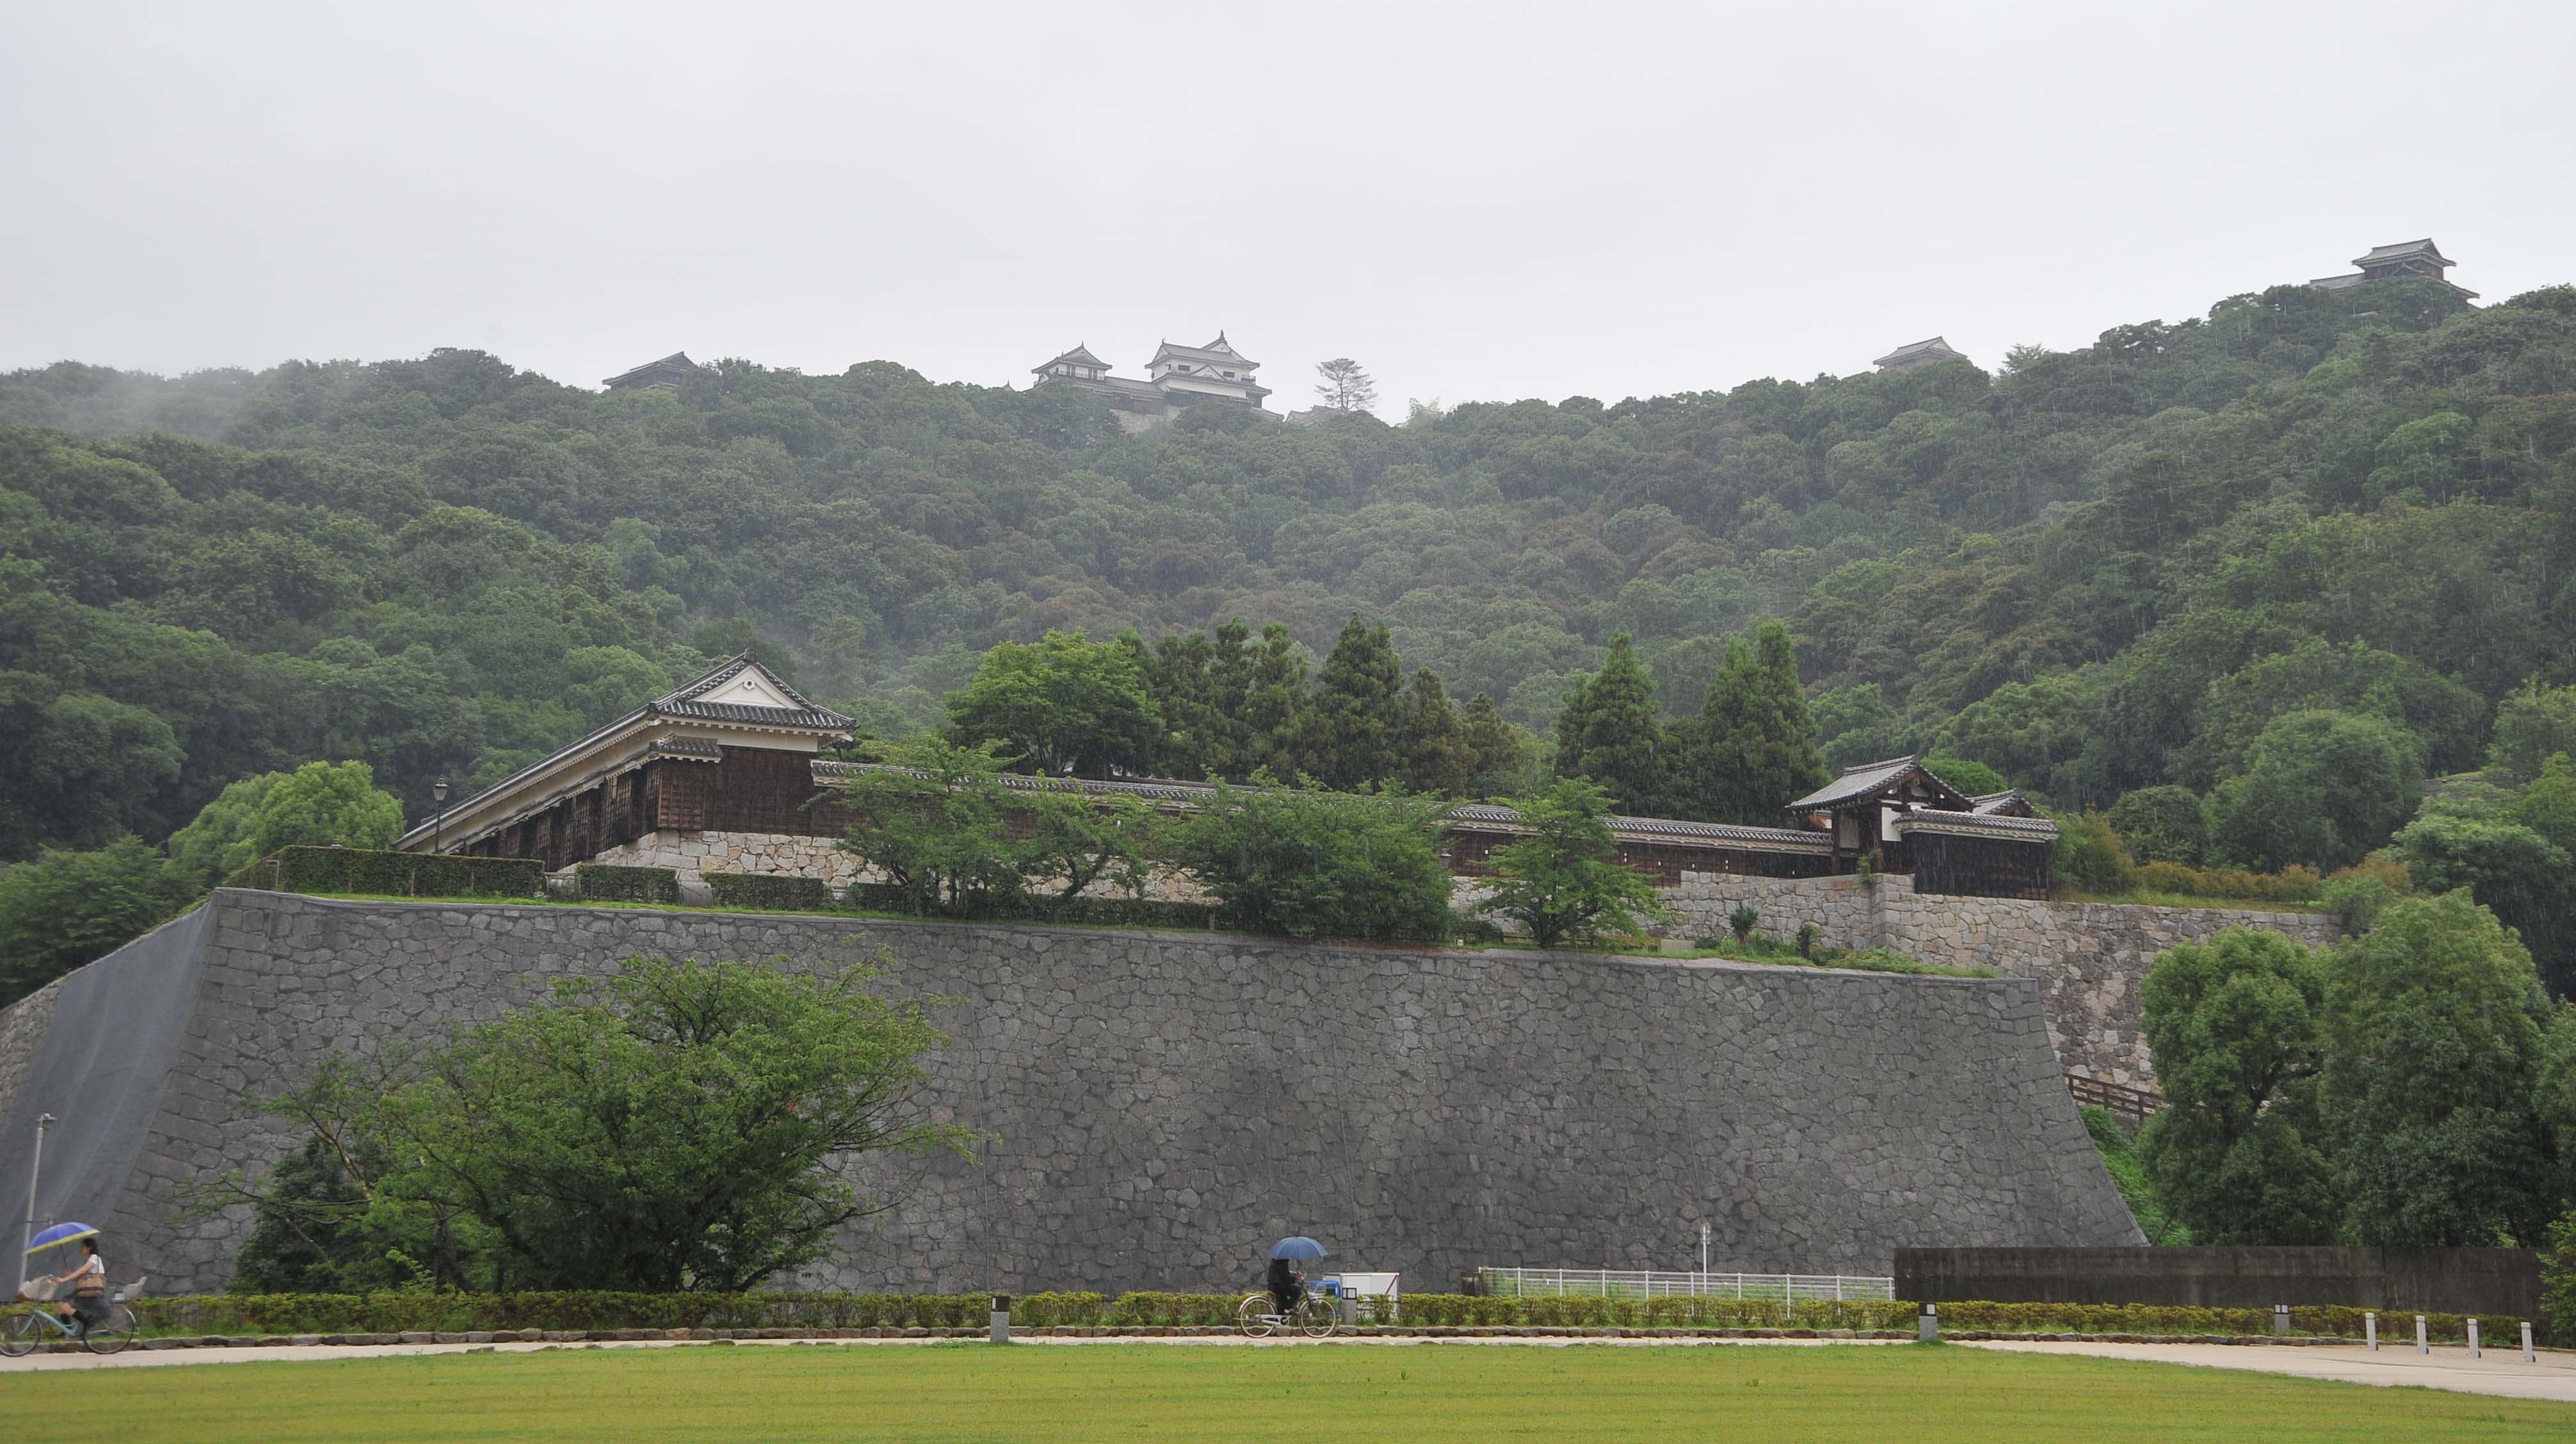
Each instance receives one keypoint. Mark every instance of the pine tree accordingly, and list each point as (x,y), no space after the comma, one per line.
(1272,699)
(1495,748)
(1177,677)
(1346,738)
(1612,732)
(1229,685)
(1753,746)
(1431,740)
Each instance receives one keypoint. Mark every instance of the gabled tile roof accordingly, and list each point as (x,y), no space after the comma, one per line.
(801,714)
(1857,781)
(1079,356)
(677,360)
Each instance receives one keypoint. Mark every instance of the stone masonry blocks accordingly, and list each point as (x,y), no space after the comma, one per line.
(1165,1104)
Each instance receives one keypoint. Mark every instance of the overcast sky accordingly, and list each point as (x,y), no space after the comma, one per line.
(1478,201)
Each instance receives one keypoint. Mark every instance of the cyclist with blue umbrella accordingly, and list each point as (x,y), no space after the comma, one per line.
(1286,1285)
(88,1277)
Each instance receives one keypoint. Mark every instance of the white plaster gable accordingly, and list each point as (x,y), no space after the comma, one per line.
(747,689)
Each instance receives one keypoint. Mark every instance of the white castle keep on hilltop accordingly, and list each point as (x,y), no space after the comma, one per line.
(1179,377)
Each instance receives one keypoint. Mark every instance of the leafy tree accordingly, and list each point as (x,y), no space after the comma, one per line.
(2162,824)
(935,821)
(1347,734)
(1564,882)
(1076,840)
(2517,873)
(1064,703)
(1343,386)
(2088,856)
(2433,1048)
(217,842)
(325,804)
(2236,1027)
(681,1126)
(64,909)
(87,766)
(1857,724)
(2319,787)
(1753,745)
(1432,747)
(1310,863)
(2530,725)
(1612,733)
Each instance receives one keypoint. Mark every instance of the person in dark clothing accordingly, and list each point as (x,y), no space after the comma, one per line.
(1286,1285)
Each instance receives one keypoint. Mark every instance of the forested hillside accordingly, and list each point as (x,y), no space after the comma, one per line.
(2308,534)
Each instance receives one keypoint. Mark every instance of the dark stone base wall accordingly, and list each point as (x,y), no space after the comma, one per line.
(1168,1103)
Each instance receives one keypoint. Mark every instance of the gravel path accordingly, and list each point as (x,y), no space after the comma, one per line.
(2501,1372)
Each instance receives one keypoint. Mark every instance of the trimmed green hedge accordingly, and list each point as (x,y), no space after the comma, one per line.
(605,882)
(389,1313)
(764,890)
(401,874)
(1111,911)
(1705,1312)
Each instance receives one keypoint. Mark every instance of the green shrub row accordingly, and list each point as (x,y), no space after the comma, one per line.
(387,1313)
(1111,911)
(764,890)
(399,874)
(605,882)
(2295,883)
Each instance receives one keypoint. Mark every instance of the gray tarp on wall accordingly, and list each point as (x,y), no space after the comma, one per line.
(106,1058)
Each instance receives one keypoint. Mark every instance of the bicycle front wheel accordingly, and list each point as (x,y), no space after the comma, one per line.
(1254,1318)
(1318,1316)
(113,1333)
(20,1336)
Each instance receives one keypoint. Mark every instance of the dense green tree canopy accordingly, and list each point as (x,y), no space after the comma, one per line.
(2106,569)
(2237,1031)
(2435,1023)
(1062,704)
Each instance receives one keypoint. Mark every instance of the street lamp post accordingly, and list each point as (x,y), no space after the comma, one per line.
(35,1168)
(438,828)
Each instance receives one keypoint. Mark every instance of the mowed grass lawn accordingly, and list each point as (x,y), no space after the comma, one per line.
(753,1395)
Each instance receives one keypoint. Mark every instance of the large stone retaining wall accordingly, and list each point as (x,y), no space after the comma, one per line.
(1167,1103)
(2088,958)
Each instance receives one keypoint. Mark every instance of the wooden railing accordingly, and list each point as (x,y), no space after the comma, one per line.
(2133,1104)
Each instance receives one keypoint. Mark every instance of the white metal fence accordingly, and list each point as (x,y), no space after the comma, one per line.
(1649,1284)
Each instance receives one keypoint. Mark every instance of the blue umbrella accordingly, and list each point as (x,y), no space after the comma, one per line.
(61,1233)
(1300,1247)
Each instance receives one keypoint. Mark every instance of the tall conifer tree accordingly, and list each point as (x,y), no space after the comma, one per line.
(1271,700)
(1431,739)
(1612,733)
(1347,736)
(1494,746)
(1753,745)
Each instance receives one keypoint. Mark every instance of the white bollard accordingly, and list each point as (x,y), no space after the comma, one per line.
(2528,1356)
(2474,1352)
(2421,1346)
(2370,1331)
(1001,1333)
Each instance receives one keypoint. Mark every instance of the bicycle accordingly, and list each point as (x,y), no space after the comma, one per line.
(1316,1316)
(26,1327)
